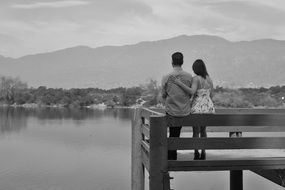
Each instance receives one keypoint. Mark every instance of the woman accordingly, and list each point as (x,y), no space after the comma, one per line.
(201,89)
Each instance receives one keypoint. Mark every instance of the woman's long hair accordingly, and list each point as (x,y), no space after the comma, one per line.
(199,68)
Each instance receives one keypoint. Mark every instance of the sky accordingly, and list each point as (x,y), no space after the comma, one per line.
(37,26)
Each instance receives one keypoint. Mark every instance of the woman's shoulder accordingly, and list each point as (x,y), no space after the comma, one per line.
(209,79)
(203,82)
(196,79)
(209,82)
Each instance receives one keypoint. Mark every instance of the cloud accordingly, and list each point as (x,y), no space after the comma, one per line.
(234,19)
(247,11)
(97,10)
(55,4)
(8,39)
(37,26)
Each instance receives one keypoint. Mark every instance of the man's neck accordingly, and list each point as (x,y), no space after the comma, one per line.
(177,68)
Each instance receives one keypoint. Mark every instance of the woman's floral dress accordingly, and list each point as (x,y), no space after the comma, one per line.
(202,102)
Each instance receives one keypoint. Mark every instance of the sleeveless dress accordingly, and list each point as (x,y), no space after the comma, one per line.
(202,102)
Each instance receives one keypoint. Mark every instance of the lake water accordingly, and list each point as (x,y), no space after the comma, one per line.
(62,149)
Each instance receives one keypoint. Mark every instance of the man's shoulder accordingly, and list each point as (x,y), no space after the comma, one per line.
(166,76)
(169,73)
(186,73)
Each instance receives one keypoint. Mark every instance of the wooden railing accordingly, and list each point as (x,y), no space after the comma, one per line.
(150,145)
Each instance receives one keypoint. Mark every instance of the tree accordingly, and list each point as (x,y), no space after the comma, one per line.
(131,95)
(9,87)
(231,98)
(151,92)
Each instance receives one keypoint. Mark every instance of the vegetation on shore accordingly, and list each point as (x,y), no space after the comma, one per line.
(15,92)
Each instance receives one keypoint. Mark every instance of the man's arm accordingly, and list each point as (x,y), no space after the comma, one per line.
(189,90)
(191,80)
(163,88)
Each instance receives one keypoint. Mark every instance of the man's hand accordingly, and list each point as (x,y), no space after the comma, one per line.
(175,80)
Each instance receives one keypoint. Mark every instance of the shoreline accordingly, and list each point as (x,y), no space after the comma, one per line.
(102,106)
(94,106)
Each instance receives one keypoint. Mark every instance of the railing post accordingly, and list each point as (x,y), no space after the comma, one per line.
(236,176)
(158,172)
(236,180)
(138,175)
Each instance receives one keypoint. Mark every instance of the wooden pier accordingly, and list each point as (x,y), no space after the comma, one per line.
(150,144)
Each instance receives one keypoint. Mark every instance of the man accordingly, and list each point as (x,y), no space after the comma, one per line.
(177,102)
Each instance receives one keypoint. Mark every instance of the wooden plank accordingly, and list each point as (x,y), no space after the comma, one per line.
(231,120)
(219,143)
(236,176)
(158,152)
(159,110)
(145,146)
(137,166)
(227,129)
(245,129)
(240,110)
(236,180)
(220,165)
(249,111)
(145,159)
(146,113)
(145,130)
(276,176)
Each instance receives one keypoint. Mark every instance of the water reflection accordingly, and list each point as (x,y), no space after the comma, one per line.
(64,149)
(15,119)
(12,120)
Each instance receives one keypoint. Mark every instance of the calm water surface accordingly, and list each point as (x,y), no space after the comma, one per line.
(62,149)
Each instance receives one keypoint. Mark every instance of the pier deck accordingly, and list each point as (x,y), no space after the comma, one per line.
(263,154)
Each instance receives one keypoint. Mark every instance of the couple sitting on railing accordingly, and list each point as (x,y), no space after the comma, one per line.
(184,95)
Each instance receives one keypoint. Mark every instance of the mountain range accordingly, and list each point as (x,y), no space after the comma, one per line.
(230,64)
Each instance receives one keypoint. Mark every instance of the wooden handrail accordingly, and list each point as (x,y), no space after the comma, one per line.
(222,143)
(147,113)
(231,164)
(250,110)
(240,110)
(231,120)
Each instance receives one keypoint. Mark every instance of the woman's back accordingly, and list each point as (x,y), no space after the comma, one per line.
(202,102)
(205,83)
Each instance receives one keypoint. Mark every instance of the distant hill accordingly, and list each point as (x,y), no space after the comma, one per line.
(245,63)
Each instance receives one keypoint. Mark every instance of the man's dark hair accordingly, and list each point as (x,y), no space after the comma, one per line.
(199,68)
(177,59)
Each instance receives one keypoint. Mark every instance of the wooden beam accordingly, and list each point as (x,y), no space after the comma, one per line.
(146,113)
(259,163)
(138,175)
(145,146)
(236,180)
(158,153)
(245,129)
(249,111)
(276,176)
(145,130)
(145,159)
(236,176)
(226,143)
(240,110)
(231,120)
(241,129)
